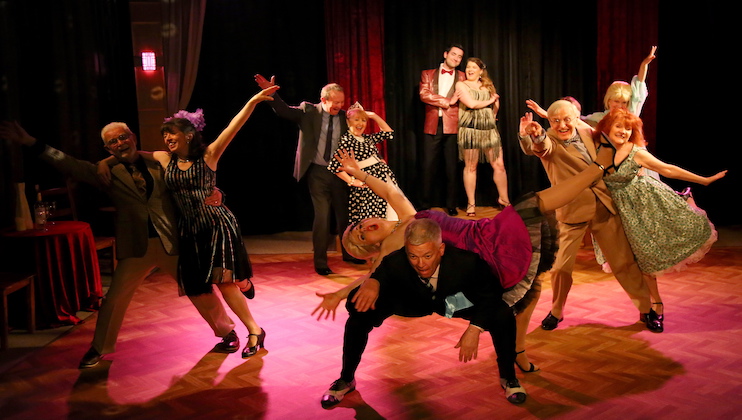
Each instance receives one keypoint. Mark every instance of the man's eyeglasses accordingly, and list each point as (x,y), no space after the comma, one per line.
(556,121)
(115,141)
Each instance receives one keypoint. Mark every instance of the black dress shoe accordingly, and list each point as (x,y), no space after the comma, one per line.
(323,271)
(353,260)
(229,344)
(90,359)
(652,321)
(551,322)
(453,211)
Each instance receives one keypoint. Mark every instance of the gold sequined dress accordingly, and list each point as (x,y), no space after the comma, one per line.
(478,127)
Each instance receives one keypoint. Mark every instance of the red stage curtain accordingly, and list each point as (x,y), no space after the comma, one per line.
(627,29)
(355,53)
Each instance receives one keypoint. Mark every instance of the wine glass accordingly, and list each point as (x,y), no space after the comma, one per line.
(41,212)
(51,208)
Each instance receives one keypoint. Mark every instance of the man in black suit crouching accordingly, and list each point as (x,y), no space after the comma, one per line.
(421,279)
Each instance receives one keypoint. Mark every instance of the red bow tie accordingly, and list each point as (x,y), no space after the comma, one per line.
(447,71)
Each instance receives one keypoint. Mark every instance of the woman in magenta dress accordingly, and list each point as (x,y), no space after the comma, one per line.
(518,243)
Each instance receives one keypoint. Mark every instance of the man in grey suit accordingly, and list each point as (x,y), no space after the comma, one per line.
(146,232)
(320,128)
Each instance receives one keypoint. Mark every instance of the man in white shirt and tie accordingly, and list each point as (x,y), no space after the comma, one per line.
(437,87)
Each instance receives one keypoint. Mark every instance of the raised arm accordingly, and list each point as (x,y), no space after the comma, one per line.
(215,149)
(383,126)
(647,160)
(389,192)
(644,66)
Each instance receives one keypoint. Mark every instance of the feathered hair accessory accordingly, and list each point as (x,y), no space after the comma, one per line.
(196,118)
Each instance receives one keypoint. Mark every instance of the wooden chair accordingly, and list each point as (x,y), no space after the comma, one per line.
(9,283)
(66,209)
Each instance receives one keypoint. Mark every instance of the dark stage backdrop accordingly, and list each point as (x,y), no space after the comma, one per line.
(69,71)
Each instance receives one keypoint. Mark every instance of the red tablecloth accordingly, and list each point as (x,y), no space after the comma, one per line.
(66,265)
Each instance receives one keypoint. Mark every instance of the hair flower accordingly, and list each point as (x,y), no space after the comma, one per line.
(196,118)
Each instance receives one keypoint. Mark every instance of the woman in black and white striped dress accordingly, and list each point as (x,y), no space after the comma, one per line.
(211,248)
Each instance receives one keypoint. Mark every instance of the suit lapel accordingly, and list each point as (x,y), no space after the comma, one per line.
(120,172)
(589,144)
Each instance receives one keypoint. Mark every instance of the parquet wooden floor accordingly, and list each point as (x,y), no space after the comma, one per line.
(599,364)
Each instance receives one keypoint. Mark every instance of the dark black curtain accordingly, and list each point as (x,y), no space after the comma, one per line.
(698,80)
(240,40)
(66,70)
(532,51)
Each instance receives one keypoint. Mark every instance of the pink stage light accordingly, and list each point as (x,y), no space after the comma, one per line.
(149,61)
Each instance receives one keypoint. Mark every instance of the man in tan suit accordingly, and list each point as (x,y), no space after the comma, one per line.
(146,232)
(441,128)
(565,150)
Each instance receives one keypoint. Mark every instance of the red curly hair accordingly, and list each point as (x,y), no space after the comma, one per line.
(629,121)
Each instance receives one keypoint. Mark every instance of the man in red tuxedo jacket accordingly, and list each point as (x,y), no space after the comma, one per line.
(437,87)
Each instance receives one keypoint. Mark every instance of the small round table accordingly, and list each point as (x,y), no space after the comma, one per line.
(65,261)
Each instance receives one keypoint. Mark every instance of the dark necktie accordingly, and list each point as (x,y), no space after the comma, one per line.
(446,71)
(138,178)
(427,283)
(328,142)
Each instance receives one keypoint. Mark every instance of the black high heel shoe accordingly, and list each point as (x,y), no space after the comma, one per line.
(249,293)
(661,316)
(532,368)
(251,350)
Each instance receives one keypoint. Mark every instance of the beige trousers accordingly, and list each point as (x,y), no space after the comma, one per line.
(129,274)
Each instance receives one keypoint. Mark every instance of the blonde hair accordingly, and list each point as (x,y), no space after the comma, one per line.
(618,90)
(359,251)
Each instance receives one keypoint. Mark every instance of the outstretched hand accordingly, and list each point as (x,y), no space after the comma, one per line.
(535,107)
(329,304)
(266,94)
(263,82)
(348,162)
(651,56)
(528,126)
(716,177)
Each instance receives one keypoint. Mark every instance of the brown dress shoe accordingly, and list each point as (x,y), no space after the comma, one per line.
(90,359)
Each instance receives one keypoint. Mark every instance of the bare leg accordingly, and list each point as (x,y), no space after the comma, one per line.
(522,319)
(471,160)
(654,292)
(500,177)
(238,303)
